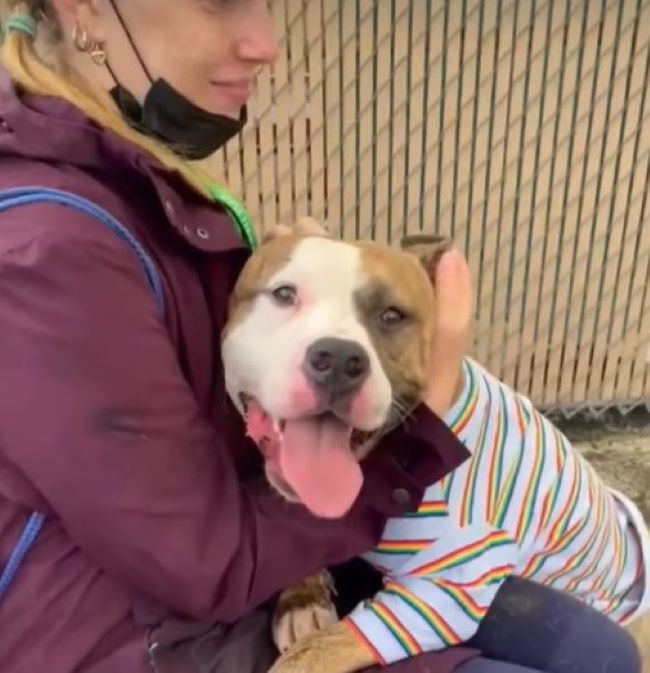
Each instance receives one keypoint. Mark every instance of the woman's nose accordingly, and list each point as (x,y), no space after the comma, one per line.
(257,41)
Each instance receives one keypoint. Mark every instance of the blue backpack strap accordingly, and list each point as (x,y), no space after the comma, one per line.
(23,196)
(30,533)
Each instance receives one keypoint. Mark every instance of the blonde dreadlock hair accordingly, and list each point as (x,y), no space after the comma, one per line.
(36,63)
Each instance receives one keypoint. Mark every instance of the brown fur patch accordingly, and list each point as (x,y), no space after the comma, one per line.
(401,280)
(262,265)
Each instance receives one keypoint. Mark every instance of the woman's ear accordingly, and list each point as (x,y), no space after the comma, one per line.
(86,15)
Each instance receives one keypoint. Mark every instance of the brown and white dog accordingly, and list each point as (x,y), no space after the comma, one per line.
(323,352)
(349,355)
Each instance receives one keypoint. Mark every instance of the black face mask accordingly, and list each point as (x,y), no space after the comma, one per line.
(169,117)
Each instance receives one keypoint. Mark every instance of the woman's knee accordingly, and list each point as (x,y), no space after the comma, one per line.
(535,626)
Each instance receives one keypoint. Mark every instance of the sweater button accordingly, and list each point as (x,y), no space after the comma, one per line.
(401,497)
(203,234)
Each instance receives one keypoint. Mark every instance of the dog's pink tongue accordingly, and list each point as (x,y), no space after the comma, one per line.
(317,462)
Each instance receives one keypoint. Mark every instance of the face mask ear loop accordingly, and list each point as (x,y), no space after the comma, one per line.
(127,32)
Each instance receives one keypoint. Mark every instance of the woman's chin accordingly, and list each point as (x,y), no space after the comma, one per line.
(224,100)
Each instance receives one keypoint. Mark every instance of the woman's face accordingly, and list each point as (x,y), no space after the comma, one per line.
(208,50)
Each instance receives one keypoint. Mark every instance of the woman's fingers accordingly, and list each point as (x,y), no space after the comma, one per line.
(452,325)
(453,292)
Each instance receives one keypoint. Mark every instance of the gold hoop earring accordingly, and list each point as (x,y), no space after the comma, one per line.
(83,43)
(80,39)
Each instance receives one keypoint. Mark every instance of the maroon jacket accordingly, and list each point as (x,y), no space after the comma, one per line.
(117,426)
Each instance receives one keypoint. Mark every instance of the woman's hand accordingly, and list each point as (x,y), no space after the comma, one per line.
(452,327)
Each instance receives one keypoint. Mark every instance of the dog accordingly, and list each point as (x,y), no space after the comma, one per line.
(349,325)
(349,356)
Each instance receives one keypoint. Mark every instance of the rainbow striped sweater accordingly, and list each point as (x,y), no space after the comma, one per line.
(527,504)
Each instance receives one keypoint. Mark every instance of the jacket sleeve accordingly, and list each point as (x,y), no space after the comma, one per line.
(96,413)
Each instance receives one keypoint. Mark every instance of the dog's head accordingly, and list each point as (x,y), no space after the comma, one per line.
(326,347)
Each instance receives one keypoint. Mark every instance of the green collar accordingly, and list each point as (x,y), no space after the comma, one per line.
(237,212)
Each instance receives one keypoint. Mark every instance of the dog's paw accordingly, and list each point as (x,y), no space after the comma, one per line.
(301,657)
(303,610)
(334,650)
(295,625)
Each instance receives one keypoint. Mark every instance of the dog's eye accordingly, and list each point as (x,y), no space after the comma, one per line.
(392,317)
(285,295)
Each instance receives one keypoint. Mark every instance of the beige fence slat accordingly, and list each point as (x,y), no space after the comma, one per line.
(434,70)
(452,91)
(400,96)
(314,127)
(605,158)
(331,120)
(478,239)
(525,255)
(283,95)
(413,132)
(497,79)
(622,349)
(534,345)
(562,209)
(579,194)
(365,118)
(509,187)
(635,372)
(462,122)
(622,147)
(491,331)
(300,88)
(640,378)
(382,151)
(262,142)
(349,122)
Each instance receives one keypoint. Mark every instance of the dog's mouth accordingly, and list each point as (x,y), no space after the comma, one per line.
(313,459)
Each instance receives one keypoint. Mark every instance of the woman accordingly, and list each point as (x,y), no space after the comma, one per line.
(114,422)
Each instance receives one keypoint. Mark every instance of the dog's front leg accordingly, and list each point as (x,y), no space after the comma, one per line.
(303,610)
(335,650)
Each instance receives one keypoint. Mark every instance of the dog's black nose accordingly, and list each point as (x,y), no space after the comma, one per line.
(336,366)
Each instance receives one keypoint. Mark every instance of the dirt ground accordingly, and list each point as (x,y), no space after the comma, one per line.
(621,457)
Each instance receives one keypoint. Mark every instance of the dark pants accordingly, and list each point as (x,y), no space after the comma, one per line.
(528,629)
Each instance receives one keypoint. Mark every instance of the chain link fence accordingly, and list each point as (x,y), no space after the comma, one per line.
(519,128)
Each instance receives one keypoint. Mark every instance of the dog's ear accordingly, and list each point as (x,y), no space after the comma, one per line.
(311,226)
(275,231)
(304,226)
(428,248)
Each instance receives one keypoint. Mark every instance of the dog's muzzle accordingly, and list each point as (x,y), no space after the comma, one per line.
(336,368)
